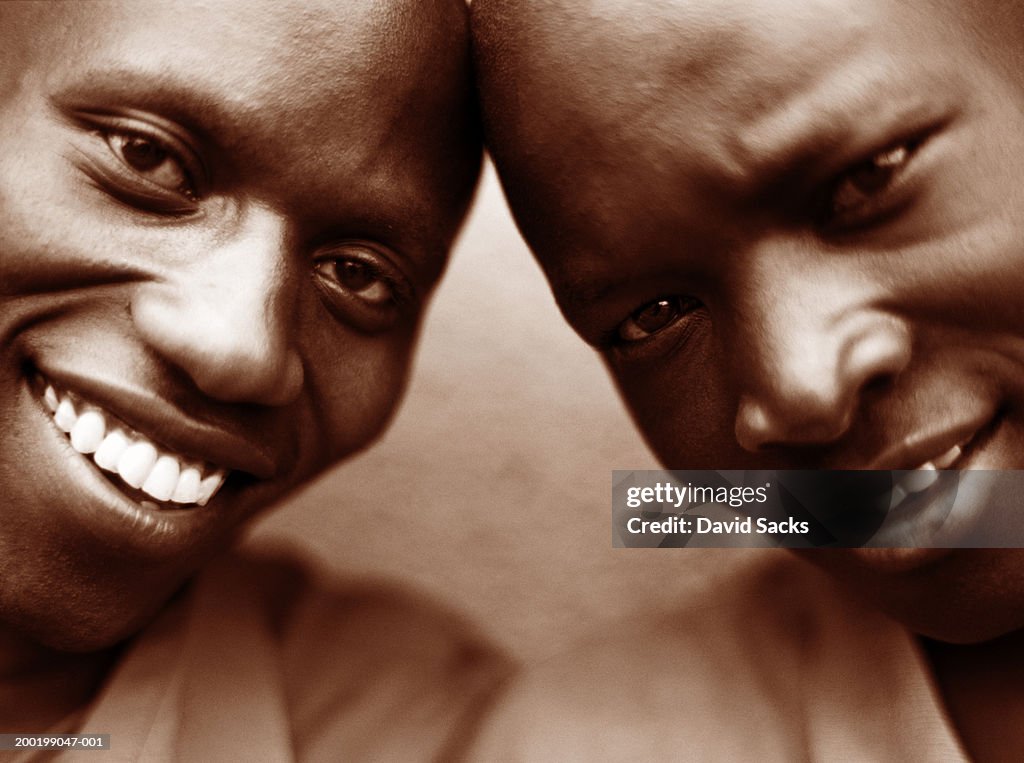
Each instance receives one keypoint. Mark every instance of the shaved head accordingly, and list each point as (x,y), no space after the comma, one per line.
(607,76)
(233,213)
(793,229)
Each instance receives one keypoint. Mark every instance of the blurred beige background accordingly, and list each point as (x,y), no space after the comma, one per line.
(491,492)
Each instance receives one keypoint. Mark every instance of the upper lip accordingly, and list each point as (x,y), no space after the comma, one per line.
(925,446)
(167,425)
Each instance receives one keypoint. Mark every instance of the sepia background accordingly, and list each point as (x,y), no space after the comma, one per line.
(491,491)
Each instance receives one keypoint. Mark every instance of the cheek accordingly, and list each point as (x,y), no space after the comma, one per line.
(685,409)
(971,259)
(50,224)
(29,230)
(356,388)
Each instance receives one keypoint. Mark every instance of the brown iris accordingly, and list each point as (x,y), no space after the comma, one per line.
(354,275)
(142,154)
(869,179)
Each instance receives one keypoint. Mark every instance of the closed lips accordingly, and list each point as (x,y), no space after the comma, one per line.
(129,456)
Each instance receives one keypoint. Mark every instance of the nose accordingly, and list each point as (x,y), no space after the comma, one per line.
(813,343)
(226,316)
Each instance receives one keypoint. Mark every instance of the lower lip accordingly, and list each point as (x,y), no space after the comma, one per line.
(138,528)
(928,525)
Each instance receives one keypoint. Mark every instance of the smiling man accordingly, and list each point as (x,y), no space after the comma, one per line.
(219,227)
(794,231)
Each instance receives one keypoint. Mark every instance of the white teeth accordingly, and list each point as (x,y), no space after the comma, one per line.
(896,496)
(50,398)
(65,415)
(925,475)
(947,458)
(110,451)
(87,433)
(163,479)
(136,463)
(130,455)
(920,479)
(209,487)
(187,489)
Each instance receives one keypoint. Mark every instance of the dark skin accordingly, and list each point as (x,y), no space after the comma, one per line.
(219,227)
(794,231)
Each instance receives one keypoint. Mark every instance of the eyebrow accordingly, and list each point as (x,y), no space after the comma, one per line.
(826,120)
(840,121)
(202,113)
(580,296)
(180,100)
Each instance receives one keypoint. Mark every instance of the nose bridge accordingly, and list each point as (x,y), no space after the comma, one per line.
(792,338)
(225,317)
(813,339)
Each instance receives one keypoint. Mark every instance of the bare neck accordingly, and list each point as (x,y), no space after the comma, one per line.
(983,688)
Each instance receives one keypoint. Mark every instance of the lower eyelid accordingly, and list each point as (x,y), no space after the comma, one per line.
(132,192)
(874,210)
(401,287)
(664,342)
(920,150)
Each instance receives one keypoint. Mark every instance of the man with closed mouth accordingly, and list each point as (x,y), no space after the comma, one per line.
(219,228)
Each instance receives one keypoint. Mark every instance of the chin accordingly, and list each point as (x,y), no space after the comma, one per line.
(81,623)
(92,634)
(964,596)
(81,598)
(959,625)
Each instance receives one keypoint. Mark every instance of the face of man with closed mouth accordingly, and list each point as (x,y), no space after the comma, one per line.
(796,233)
(218,228)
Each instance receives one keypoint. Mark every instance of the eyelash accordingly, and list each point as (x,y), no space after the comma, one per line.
(187,187)
(877,203)
(345,302)
(113,172)
(684,308)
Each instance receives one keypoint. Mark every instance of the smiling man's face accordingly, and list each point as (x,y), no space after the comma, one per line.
(796,232)
(219,225)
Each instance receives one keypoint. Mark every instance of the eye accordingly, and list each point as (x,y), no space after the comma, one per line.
(152,160)
(654,317)
(362,286)
(140,159)
(359,278)
(863,190)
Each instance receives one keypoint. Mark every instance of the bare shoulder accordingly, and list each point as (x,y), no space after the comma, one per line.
(716,679)
(375,669)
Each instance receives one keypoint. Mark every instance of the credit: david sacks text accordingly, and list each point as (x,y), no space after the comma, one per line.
(705,526)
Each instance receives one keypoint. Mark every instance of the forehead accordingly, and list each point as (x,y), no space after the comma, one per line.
(305,93)
(252,54)
(641,110)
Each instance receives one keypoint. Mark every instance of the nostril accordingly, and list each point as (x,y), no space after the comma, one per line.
(812,379)
(878,386)
(237,356)
(258,373)
(798,421)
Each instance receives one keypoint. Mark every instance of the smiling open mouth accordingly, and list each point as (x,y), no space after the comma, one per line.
(926,475)
(921,501)
(134,463)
